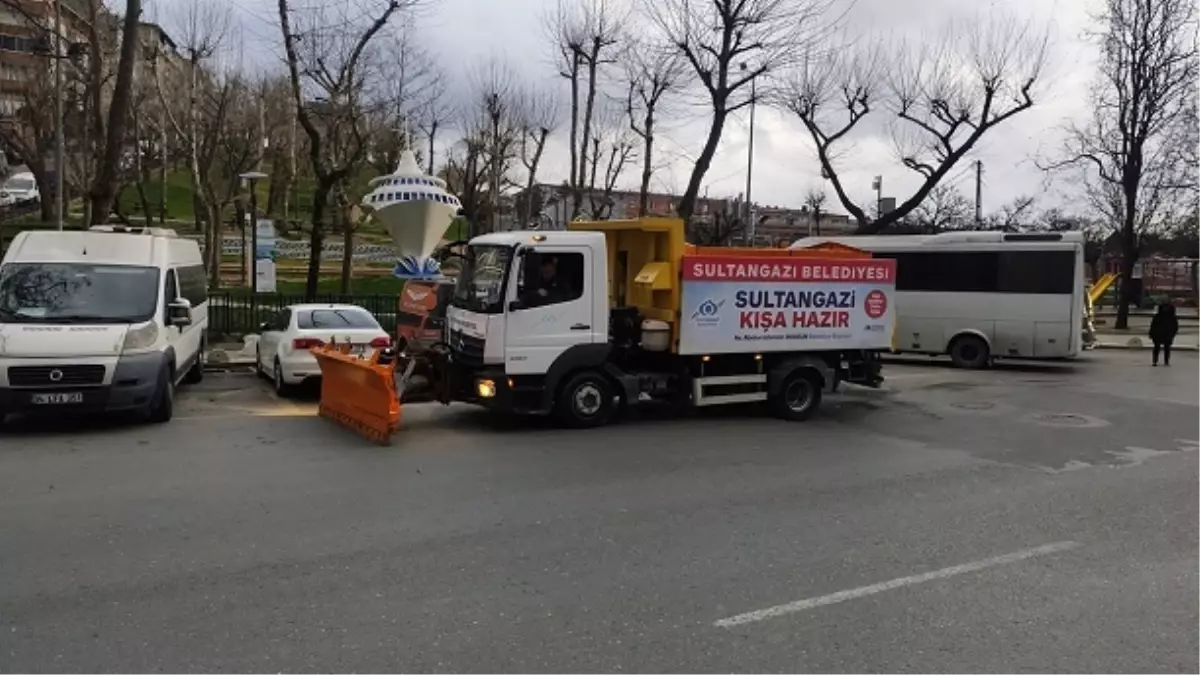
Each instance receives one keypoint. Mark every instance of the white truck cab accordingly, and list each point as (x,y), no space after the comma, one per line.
(496,323)
(107,319)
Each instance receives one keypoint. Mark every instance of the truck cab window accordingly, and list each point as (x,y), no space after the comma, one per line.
(559,279)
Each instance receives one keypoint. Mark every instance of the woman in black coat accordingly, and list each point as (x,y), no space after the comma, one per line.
(1163,328)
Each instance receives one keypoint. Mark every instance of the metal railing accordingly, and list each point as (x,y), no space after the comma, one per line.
(233,314)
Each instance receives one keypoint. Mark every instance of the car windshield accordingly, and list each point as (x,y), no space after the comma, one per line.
(480,286)
(77,293)
(19,185)
(336,318)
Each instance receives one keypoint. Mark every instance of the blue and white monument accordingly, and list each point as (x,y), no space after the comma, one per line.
(416,210)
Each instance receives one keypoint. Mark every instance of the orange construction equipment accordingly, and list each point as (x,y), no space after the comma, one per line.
(359,393)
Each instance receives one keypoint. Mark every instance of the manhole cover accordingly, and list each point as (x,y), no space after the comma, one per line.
(974,405)
(1069,420)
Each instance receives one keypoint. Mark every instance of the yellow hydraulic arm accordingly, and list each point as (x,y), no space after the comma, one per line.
(1100,286)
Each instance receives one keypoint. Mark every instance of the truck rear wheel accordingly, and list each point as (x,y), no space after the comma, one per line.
(586,400)
(799,397)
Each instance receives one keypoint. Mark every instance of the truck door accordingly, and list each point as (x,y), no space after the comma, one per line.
(551,309)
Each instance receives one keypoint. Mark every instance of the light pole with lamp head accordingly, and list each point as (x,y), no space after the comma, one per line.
(251,177)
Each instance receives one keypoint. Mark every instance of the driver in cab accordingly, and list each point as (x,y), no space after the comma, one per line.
(550,288)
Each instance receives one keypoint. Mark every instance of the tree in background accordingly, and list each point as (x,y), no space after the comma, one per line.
(1137,154)
(728,44)
(326,59)
(540,115)
(651,74)
(942,95)
(586,37)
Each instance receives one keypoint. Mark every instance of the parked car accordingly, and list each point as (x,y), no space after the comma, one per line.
(20,188)
(284,342)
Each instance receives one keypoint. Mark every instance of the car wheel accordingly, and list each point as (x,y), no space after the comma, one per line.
(587,400)
(282,388)
(969,351)
(799,397)
(162,408)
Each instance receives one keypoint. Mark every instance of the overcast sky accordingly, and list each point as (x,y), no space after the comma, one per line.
(463,32)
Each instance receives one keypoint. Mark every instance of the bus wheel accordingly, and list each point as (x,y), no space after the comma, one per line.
(969,351)
(799,397)
(586,400)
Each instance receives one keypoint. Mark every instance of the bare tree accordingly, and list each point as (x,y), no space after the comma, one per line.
(720,228)
(203,30)
(815,201)
(327,56)
(729,44)
(1013,216)
(1137,151)
(434,114)
(942,95)
(539,117)
(651,73)
(612,150)
(586,38)
(497,121)
(944,208)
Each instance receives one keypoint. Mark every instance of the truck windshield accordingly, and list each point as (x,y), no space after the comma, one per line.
(480,286)
(77,293)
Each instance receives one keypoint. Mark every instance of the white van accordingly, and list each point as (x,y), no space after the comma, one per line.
(108,319)
(20,188)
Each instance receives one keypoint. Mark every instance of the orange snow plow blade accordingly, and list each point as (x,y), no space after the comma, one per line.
(359,393)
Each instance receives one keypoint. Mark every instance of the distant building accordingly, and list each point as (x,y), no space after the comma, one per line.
(775,224)
(27,47)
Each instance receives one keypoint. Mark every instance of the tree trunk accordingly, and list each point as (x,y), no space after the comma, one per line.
(1129,256)
(588,109)
(687,203)
(576,194)
(647,154)
(215,238)
(433,127)
(104,188)
(45,189)
(316,241)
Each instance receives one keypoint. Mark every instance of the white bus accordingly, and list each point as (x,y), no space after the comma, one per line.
(979,296)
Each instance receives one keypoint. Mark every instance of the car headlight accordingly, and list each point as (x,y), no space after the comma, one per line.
(142,337)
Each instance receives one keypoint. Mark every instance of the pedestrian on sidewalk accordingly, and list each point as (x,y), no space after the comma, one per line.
(1163,328)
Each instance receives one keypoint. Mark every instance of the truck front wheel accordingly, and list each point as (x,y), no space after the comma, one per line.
(587,400)
(799,397)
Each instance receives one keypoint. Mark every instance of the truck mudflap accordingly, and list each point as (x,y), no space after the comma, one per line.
(863,368)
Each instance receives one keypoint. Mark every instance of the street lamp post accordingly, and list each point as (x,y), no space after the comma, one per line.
(252,177)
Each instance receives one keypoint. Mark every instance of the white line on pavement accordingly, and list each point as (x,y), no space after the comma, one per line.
(863,591)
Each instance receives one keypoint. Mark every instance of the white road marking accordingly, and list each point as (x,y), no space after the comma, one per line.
(863,591)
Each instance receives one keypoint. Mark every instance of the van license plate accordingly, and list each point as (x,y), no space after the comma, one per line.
(57,399)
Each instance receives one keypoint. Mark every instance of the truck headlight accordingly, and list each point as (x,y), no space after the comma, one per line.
(142,337)
(485,388)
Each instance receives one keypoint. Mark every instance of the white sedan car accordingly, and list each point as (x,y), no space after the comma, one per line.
(284,342)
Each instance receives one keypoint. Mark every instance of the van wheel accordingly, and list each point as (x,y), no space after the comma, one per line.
(587,400)
(195,374)
(799,397)
(969,351)
(162,408)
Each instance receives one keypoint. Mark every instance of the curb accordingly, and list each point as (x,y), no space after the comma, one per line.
(1118,345)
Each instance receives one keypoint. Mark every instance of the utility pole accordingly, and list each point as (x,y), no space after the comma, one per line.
(978,193)
(59,202)
(750,164)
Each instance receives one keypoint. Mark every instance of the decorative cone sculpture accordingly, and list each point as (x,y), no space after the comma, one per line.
(416,210)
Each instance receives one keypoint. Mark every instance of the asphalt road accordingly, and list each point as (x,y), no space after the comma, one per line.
(1012,520)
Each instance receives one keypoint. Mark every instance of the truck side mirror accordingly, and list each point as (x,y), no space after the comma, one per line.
(516,305)
(531,267)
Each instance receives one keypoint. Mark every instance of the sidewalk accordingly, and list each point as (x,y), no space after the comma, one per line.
(226,356)
(1183,342)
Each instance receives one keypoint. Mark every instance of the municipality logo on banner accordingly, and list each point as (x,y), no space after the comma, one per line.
(708,314)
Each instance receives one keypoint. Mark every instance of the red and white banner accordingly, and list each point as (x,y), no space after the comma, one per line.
(734,304)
